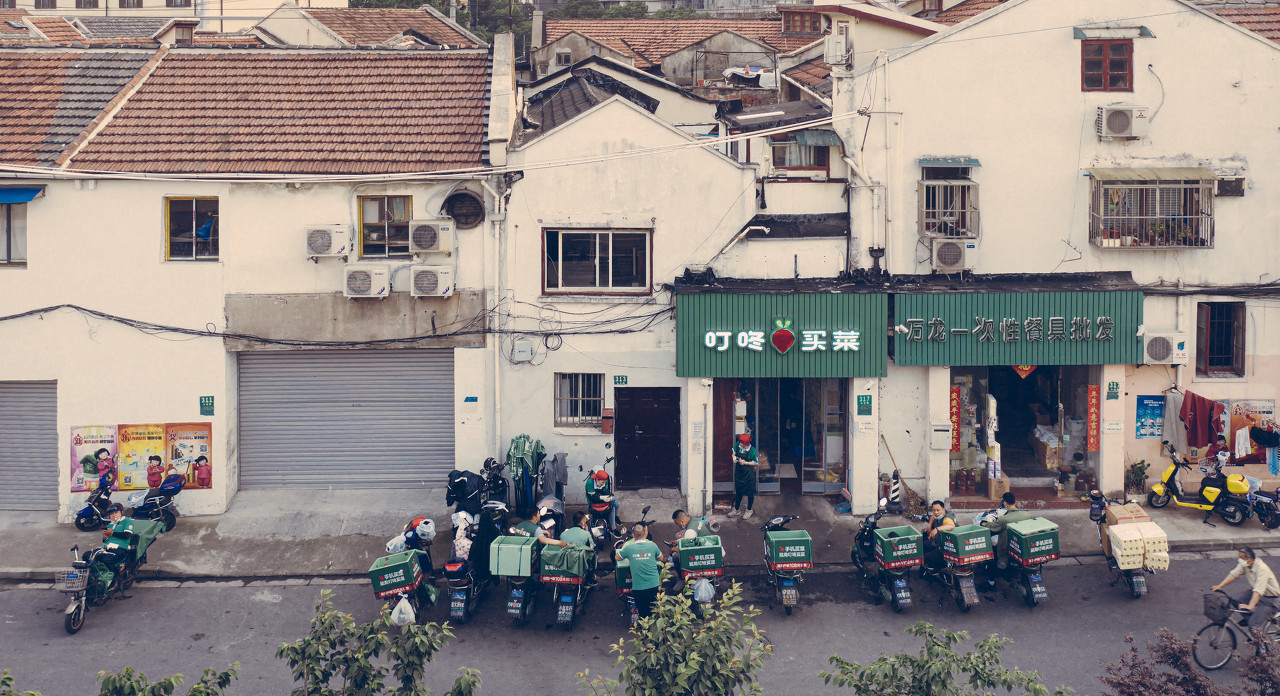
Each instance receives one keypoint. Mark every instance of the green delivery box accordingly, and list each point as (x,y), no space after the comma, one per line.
(788,550)
(396,573)
(622,575)
(899,547)
(1033,541)
(513,556)
(967,544)
(700,557)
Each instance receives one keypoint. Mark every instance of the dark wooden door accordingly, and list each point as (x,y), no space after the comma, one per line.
(647,436)
(722,436)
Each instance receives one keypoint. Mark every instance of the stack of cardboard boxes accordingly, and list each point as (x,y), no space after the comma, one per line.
(1133,540)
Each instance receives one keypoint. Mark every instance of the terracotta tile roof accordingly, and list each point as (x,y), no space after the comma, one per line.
(621,47)
(333,112)
(1260,20)
(7,16)
(57,30)
(655,39)
(121,27)
(814,74)
(238,40)
(59,94)
(965,10)
(369,26)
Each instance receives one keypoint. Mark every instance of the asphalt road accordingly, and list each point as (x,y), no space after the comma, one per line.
(167,628)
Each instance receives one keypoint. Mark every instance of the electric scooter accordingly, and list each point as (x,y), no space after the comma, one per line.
(887,577)
(1134,578)
(1225,495)
(787,554)
(157,503)
(467,576)
(94,514)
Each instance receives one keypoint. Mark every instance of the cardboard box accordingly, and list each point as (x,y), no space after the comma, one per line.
(1106,540)
(1131,561)
(1137,513)
(1126,540)
(1156,561)
(1154,539)
(997,487)
(1119,514)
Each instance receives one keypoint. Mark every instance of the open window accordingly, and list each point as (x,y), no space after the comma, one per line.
(384,226)
(1220,334)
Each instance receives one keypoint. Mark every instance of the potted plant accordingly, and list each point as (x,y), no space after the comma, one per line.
(1135,477)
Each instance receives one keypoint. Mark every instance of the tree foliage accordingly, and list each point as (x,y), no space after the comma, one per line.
(672,652)
(579,9)
(938,670)
(628,10)
(679,12)
(1168,669)
(343,658)
(129,682)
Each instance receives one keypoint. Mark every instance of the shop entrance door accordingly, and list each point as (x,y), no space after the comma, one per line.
(798,428)
(1024,404)
(647,436)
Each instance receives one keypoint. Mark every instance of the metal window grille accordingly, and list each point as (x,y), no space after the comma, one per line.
(1152,214)
(86,4)
(579,399)
(948,208)
(177,3)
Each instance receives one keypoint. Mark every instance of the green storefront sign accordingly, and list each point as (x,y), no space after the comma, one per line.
(1010,328)
(781,335)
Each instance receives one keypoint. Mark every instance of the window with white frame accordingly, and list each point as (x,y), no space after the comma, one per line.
(192,228)
(13,233)
(564,59)
(596,261)
(948,203)
(579,398)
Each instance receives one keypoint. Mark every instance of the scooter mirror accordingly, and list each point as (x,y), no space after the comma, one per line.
(884,502)
(645,510)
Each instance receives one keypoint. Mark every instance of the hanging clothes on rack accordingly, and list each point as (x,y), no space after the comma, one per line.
(1174,430)
(1203,418)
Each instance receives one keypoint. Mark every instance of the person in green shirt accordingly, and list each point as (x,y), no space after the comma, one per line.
(531,528)
(1000,526)
(745,461)
(580,536)
(644,557)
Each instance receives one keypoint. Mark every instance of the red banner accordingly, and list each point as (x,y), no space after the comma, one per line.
(955,419)
(1024,370)
(1095,416)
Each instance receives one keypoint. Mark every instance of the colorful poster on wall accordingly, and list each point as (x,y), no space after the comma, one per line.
(1149,418)
(88,443)
(189,449)
(138,444)
(1093,426)
(955,419)
(142,454)
(1244,414)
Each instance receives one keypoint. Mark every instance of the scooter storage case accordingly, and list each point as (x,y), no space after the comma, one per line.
(622,575)
(899,547)
(1033,541)
(396,573)
(967,544)
(789,550)
(512,556)
(701,556)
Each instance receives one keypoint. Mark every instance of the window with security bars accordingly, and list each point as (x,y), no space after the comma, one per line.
(130,4)
(1158,214)
(1220,336)
(579,398)
(948,203)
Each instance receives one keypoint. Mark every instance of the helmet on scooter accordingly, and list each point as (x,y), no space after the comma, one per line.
(115,507)
(413,523)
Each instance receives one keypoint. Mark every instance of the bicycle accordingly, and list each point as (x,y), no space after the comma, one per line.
(1213,646)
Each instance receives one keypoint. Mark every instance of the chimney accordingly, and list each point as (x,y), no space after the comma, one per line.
(539,37)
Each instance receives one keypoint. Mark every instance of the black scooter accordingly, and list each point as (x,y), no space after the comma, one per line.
(496,487)
(1134,578)
(468,579)
(1267,507)
(93,516)
(887,584)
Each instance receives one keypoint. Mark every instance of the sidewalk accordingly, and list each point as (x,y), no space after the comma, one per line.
(306,533)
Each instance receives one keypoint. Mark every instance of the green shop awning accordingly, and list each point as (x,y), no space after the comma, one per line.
(781,335)
(1012,328)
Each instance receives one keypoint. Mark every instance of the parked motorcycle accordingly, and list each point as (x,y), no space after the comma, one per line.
(1267,507)
(157,503)
(1032,543)
(1225,495)
(887,574)
(787,554)
(467,570)
(107,571)
(622,574)
(569,590)
(93,516)
(1134,578)
(496,488)
(407,572)
(964,550)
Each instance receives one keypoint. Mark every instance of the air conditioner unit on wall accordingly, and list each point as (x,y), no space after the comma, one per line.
(431,235)
(1121,122)
(836,49)
(328,240)
(366,280)
(430,281)
(1165,348)
(953,255)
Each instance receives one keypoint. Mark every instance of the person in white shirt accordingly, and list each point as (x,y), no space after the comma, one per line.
(1263,588)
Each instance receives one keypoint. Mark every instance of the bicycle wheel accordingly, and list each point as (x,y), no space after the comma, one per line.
(1213,646)
(1270,639)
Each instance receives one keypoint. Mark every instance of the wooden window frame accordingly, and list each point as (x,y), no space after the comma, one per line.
(45,4)
(574,408)
(1211,351)
(1106,73)
(86,4)
(821,153)
(7,234)
(564,59)
(386,223)
(647,289)
(130,4)
(215,220)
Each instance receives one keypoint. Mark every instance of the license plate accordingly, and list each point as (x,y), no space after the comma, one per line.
(457,605)
(900,582)
(458,594)
(788,582)
(517,593)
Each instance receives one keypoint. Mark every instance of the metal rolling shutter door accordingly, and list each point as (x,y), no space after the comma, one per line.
(28,445)
(350,418)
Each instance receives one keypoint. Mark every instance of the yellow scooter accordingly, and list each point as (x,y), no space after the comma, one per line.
(1225,495)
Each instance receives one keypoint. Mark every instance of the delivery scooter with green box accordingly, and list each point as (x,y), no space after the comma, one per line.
(1032,543)
(963,550)
(787,554)
(516,559)
(701,566)
(886,556)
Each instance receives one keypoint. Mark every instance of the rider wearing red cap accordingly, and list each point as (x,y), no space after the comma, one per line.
(598,486)
(745,461)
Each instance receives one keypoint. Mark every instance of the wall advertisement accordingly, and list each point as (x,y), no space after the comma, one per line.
(141,455)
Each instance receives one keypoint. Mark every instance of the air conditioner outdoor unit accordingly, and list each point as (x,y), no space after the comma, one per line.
(328,240)
(1122,121)
(836,49)
(953,255)
(431,281)
(1165,348)
(431,235)
(366,280)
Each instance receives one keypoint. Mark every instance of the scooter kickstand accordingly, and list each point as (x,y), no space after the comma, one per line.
(1206,520)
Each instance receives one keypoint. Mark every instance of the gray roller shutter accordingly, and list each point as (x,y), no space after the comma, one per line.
(28,445)
(346,418)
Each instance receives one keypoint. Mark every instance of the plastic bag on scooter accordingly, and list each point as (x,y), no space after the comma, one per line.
(395,544)
(427,530)
(403,615)
(703,591)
